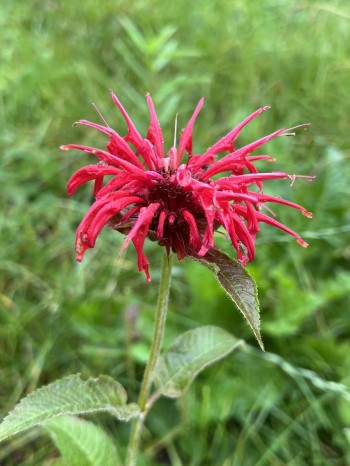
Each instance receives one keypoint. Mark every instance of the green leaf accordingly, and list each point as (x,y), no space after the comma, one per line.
(347,435)
(238,284)
(70,395)
(82,443)
(188,356)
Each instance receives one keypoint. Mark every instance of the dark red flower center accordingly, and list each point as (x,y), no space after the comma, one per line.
(174,203)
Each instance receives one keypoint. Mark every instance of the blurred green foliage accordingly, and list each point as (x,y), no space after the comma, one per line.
(289,406)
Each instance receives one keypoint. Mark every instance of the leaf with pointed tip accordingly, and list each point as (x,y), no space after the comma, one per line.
(82,443)
(188,356)
(238,284)
(70,395)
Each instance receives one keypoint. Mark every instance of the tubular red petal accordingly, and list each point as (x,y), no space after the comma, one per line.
(138,235)
(244,235)
(133,211)
(252,222)
(270,221)
(208,237)
(206,197)
(97,217)
(126,182)
(234,196)
(98,185)
(198,161)
(227,222)
(267,198)
(110,159)
(253,170)
(154,133)
(133,135)
(161,221)
(224,163)
(88,173)
(195,239)
(186,136)
(127,166)
(142,261)
(104,156)
(144,219)
(107,212)
(146,150)
(117,146)
(143,146)
(235,181)
(248,213)
(112,186)
(104,129)
(207,241)
(226,143)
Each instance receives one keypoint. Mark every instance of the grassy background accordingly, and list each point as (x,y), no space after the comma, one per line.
(289,406)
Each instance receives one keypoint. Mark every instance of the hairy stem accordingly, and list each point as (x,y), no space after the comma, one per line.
(162,308)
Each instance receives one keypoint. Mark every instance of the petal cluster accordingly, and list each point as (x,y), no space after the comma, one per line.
(177,198)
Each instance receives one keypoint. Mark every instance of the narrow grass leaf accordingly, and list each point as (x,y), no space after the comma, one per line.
(239,285)
(70,395)
(82,443)
(188,356)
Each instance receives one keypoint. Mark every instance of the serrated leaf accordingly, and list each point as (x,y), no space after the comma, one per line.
(82,443)
(70,395)
(238,284)
(188,356)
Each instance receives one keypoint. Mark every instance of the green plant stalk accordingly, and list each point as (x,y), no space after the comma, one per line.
(158,333)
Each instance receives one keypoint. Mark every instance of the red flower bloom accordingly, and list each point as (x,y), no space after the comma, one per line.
(180,205)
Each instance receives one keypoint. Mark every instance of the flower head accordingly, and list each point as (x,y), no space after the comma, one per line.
(178,201)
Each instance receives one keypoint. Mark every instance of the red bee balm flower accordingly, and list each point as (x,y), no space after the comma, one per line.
(180,205)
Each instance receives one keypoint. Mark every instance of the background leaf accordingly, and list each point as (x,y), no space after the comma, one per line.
(70,395)
(81,442)
(189,355)
(239,285)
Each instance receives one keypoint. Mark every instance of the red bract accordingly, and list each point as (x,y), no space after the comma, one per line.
(180,205)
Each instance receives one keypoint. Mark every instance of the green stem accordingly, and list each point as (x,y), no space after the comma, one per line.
(158,333)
